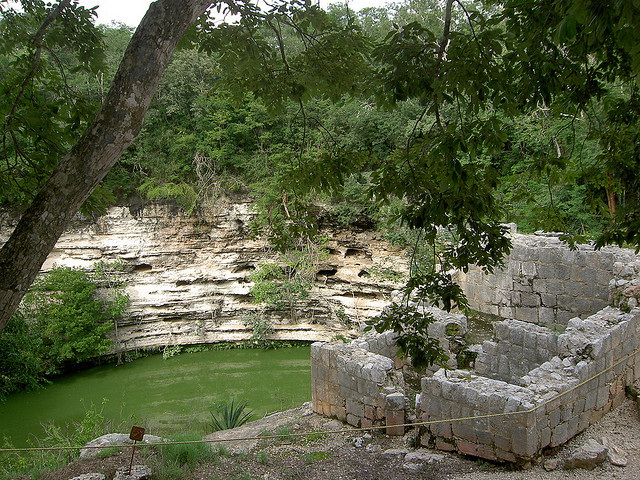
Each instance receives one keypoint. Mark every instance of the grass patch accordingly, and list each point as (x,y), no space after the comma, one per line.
(263,458)
(311,457)
(108,452)
(189,454)
(315,437)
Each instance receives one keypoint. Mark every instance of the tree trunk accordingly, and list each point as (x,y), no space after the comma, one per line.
(84,167)
(611,195)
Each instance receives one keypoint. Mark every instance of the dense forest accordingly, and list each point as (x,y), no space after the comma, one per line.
(446,118)
(203,138)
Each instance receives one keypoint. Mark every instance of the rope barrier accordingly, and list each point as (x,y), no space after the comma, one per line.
(332,432)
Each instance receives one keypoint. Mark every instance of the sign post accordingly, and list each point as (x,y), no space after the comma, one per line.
(137,434)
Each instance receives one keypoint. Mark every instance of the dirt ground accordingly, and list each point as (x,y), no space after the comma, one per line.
(356,455)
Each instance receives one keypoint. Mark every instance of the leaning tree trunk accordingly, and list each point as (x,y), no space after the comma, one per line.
(84,167)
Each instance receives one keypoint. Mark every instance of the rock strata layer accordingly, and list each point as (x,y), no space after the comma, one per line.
(189,282)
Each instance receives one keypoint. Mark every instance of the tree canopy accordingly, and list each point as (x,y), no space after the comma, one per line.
(449,113)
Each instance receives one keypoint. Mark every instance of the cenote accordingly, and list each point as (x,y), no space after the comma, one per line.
(165,396)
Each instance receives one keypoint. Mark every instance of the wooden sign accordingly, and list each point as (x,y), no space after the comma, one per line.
(137,434)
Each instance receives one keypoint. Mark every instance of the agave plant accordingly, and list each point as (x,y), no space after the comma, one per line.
(229,415)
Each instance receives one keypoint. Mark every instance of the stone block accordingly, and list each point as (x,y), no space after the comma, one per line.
(559,435)
(464,431)
(584,421)
(369,412)
(354,407)
(548,299)
(505,312)
(467,448)
(486,451)
(530,300)
(507,456)
(602,397)
(432,408)
(440,444)
(578,406)
(339,412)
(545,437)
(574,287)
(353,420)
(554,417)
(590,275)
(551,256)
(502,442)
(573,427)
(524,441)
(563,314)
(529,269)
(395,401)
(530,341)
(442,430)
(484,437)
(527,314)
(394,420)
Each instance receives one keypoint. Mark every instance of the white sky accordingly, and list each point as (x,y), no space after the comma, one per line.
(130,12)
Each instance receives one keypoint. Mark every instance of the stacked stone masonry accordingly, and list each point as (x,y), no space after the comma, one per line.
(544,281)
(541,380)
(362,382)
(356,386)
(592,362)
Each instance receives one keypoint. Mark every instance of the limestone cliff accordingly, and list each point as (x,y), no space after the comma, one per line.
(188,277)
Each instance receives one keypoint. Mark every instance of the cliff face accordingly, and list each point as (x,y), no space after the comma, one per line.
(188,277)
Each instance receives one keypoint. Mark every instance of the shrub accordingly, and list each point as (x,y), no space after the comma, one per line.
(62,322)
(32,464)
(229,415)
(64,311)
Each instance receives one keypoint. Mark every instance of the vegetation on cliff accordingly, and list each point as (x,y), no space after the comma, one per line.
(442,115)
(61,324)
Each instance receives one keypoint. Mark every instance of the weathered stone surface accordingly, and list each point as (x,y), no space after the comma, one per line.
(412,467)
(93,448)
(534,387)
(136,472)
(588,457)
(90,476)
(551,464)
(615,454)
(541,270)
(423,456)
(395,452)
(189,276)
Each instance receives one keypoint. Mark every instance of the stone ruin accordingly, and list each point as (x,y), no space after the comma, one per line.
(561,360)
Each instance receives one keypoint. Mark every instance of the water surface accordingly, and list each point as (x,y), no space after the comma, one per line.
(165,396)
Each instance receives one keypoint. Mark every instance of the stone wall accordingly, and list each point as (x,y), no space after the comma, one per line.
(189,276)
(517,348)
(356,386)
(544,281)
(595,359)
(537,383)
(362,382)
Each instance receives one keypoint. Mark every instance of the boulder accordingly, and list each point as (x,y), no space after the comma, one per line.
(588,457)
(92,448)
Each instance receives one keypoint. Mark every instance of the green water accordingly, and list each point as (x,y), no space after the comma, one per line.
(165,396)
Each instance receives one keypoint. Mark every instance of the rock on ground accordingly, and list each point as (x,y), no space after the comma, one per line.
(94,447)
